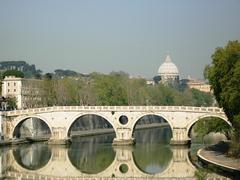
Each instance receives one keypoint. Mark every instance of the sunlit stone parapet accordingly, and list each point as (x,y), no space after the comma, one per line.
(123,142)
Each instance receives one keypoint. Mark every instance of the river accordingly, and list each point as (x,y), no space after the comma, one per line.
(152,157)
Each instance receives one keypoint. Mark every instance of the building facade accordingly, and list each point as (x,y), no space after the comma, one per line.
(26,91)
(200,85)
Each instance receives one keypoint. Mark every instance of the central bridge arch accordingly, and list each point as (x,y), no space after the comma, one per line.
(81,115)
(141,115)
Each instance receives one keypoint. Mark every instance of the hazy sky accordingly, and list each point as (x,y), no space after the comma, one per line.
(112,35)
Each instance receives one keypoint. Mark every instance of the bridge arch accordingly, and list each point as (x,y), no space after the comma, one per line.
(76,117)
(18,121)
(223,117)
(138,117)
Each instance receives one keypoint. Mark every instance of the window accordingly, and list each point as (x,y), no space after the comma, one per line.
(14,90)
(8,84)
(14,84)
(8,90)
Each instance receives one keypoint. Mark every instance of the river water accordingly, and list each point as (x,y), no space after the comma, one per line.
(95,158)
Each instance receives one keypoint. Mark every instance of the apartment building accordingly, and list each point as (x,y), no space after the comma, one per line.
(26,91)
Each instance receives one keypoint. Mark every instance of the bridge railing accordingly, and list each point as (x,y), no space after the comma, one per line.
(28,175)
(115,109)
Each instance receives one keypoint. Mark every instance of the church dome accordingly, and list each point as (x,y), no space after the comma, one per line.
(168,68)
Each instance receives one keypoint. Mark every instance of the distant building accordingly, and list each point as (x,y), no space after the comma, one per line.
(167,73)
(26,91)
(201,85)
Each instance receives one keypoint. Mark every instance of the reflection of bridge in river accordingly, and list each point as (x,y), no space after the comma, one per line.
(59,166)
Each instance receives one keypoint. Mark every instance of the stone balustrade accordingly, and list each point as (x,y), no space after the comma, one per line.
(114,109)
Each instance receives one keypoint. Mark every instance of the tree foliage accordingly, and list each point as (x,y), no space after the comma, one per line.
(212,124)
(201,99)
(116,89)
(62,73)
(11,103)
(15,73)
(224,76)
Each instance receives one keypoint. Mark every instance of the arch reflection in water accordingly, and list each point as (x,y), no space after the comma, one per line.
(123,165)
(152,152)
(32,157)
(92,155)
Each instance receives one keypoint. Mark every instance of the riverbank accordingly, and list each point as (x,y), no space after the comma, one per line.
(11,142)
(215,155)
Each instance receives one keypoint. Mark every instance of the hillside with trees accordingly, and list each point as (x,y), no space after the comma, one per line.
(22,66)
(61,73)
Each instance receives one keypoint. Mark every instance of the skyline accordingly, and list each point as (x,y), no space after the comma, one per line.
(104,36)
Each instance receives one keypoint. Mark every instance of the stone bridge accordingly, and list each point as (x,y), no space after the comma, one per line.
(60,167)
(60,118)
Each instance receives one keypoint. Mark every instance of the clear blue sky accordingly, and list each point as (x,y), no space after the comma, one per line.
(111,35)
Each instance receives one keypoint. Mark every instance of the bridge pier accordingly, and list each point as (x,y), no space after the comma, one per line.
(180,137)
(123,142)
(123,137)
(59,136)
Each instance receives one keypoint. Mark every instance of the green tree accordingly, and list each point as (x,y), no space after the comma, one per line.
(202,99)
(160,95)
(13,73)
(224,77)
(115,88)
(212,124)
(110,89)
(136,92)
(11,103)
(184,98)
(48,91)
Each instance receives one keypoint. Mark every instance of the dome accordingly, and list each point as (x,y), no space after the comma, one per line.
(168,68)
